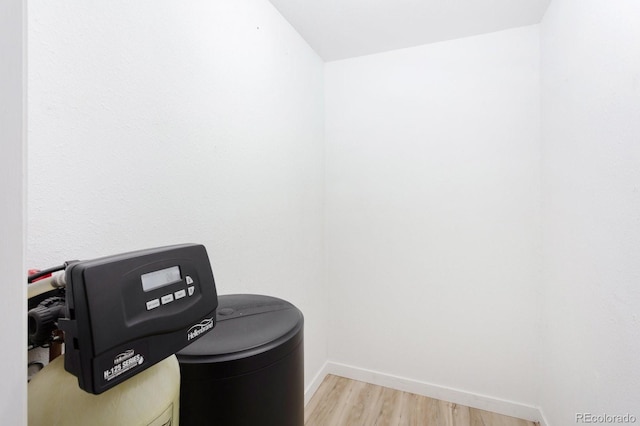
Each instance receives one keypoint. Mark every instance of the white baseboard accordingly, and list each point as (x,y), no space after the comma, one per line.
(483,402)
(315,384)
(543,419)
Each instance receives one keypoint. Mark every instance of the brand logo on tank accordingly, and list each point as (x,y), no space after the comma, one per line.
(200,328)
(122,363)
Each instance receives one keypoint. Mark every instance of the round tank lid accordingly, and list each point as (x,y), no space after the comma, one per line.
(245,322)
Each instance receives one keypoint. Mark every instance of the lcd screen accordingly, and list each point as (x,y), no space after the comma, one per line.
(161,278)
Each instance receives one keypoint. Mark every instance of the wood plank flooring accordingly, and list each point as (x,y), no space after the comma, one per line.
(344,402)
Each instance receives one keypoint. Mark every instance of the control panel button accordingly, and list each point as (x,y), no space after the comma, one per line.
(191,290)
(189,280)
(180,294)
(152,304)
(168,298)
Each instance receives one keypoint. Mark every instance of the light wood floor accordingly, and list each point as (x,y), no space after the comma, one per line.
(340,402)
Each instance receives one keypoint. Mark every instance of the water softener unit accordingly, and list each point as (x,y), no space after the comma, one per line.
(123,317)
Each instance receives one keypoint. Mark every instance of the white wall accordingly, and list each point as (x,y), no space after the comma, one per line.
(13,397)
(159,122)
(591,186)
(433,212)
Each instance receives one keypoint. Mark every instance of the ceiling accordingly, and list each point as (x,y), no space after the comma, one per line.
(339,29)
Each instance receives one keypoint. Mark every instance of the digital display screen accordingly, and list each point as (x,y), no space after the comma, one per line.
(157,279)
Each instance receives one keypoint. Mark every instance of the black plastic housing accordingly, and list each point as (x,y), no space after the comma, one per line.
(250,370)
(114,329)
